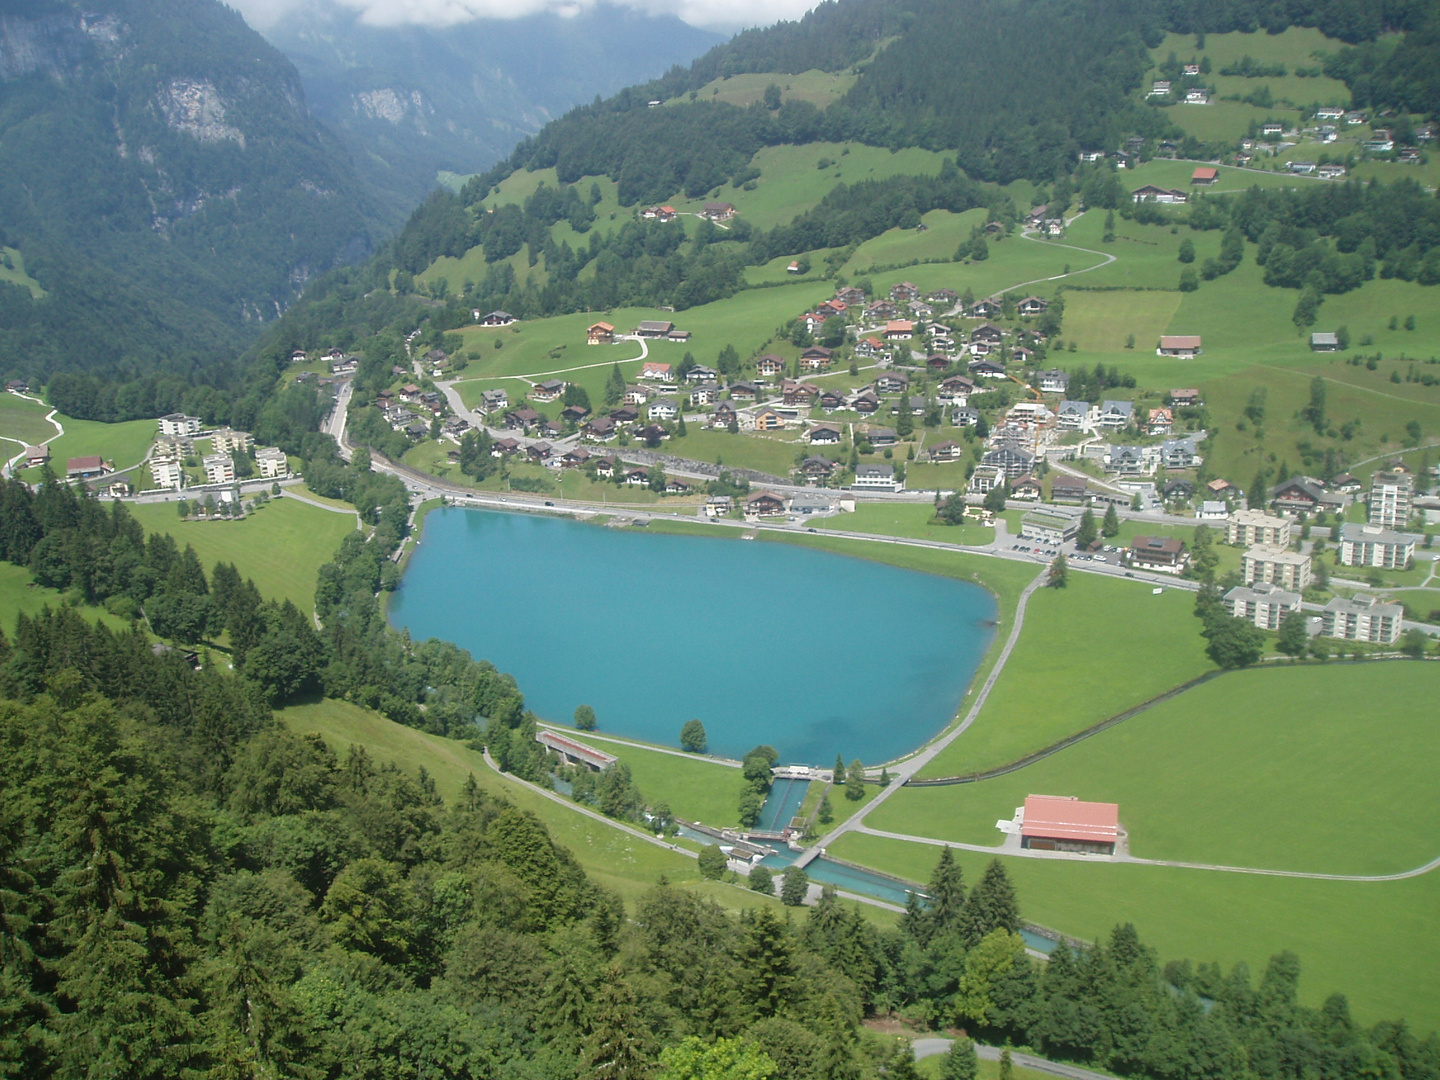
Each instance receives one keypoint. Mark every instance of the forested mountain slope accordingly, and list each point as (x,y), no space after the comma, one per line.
(164,181)
(411,101)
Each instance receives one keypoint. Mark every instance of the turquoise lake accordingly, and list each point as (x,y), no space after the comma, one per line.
(811,652)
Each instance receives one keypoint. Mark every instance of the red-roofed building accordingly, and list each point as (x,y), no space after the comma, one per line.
(577,753)
(1205,174)
(1186,345)
(1064,823)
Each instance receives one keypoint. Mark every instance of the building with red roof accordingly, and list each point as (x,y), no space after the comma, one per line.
(1065,823)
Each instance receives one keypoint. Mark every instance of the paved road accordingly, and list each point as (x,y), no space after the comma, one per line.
(932,1047)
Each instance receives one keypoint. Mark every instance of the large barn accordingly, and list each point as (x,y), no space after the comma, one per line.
(1064,823)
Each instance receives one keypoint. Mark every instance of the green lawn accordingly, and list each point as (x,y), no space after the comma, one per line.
(612,857)
(23,421)
(124,444)
(282,545)
(943,234)
(1373,942)
(764,453)
(912,520)
(1275,768)
(1172,173)
(1101,321)
(696,788)
(929,1068)
(1225,121)
(821,88)
(20,595)
(1294,48)
(1086,652)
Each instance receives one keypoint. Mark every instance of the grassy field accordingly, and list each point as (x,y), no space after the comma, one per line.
(282,545)
(1308,752)
(943,233)
(15,273)
(1101,321)
(1373,942)
(20,595)
(1086,652)
(1172,173)
(1225,121)
(820,88)
(911,520)
(1295,47)
(696,788)
(23,421)
(124,444)
(929,1068)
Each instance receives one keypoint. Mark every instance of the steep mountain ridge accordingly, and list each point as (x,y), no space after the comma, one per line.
(161,170)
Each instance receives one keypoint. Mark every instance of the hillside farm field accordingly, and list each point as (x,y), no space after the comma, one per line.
(123,444)
(23,421)
(1289,768)
(281,546)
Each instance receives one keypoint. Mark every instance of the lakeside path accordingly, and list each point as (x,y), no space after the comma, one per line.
(908,768)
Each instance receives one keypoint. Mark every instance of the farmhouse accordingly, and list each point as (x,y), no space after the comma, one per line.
(1064,823)
(1250,527)
(662,214)
(36,455)
(1052,529)
(1205,175)
(899,330)
(498,318)
(600,333)
(1371,545)
(1187,397)
(83,468)
(1159,553)
(575,753)
(1183,345)
(1362,619)
(1277,566)
(718,211)
(654,328)
(1263,604)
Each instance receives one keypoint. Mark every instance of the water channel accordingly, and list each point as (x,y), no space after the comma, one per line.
(811,652)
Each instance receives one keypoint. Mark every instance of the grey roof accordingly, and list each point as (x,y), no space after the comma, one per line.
(1263,590)
(1120,408)
(1076,408)
(1358,533)
(875,470)
(1345,606)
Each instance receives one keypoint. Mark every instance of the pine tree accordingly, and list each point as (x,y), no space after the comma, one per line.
(1087,533)
(839,770)
(1111,525)
(947,894)
(855,782)
(960,1062)
(991,905)
(618,1047)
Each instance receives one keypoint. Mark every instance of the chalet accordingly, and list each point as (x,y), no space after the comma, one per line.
(983,309)
(346,365)
(718,211)
(704,394)
(1115,414)
(1162,554)
(1028,488)
(876,478)
(892,382)
(832,308)
(498,318)
(799,393)
(1271,129)
(1324,342)
(1160,422)
(987,369)
(832,400)
(624,414)
(865,403)
(36,455)
(879,436)
(1151,193)
(815,467)
(502,447)
(964,416)
(549,390)
(1346,484)
(701,374)
(1053,381)
(574,414)
(539,451)
(297,356)
(1182,453)
(899,330)
(919,309)
(605,466)
(1182,345)
(600,333)
(662,214)
(850,295)
(744,391)
(1205,175)
(1302,495)
(83,468)
(1032,305)
(1022,355)
(768,420)
(654,328)
(1178,490)
(946,451)
(723,416)
(414,430)
(675,486)
(1064,823)
(955,390)
(717,506)
(1073,490)
(824,434)
(946,297)
(814,320)
(904,292)
(663,410)
(575,458)
(764,503)
(635,395)
(815,358)
(652,434)
(1185,398)
(915,404)
(881,309)
(769,366)
(870,348)
(491,400)
(937,362)
(989,333)
(637,476)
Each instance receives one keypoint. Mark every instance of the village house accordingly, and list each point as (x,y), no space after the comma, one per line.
(955,390)
(986,369)
(768,420)
(36,455)
(892,382)
(1162,554)
(575,458)
(988,333)
(1182,453)
(723,416)
(880,309)
(549,390)
(718,211)
(769,365)
(945,451)
(744,391)
(493,400)
(1372,545)
(676,486)
(1160,422)
(832,400)
(1197,97)
(498,318)
(1330,171)
(504,447)
(1250,527)
(1303,495)
(850,295)
(878,436)
(539,452)
(764,503)
(704,394)
(1184,398)
(1262,604)
(943,297)
(1151,193)
(1012,460)
(1032,305)
(1053,381)
(1115,415)
(870,348)
(815,468)
(663,214)
(718,506)
(983,309)
(1182,345)
(662,410)
(899,330)
(824,435)
(702,374)
(635,395)
(637,476)
(815,359)
(606,465)
(964,416)
(1130,460)
(522,418)
(601,429)
(1069,490)
(1028,489)
(813,321)
(1362,619)
(84,468)
(1204,176)
(799,393)
(655,371)
(1072,415)
(600,333)
(865,402)
(574,414)
(904,292)
(1277,566)
(876,478)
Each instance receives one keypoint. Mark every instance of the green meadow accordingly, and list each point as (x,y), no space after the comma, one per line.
(1287,768)
(124,444)
(1373,942)
(19,595)
(820,88)
(1086,652)
(282,545)
(23,421)
(943,233)
(697,788)
(915,521)
(15,273)
(1295,47)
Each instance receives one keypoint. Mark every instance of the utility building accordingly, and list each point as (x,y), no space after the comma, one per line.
(1064,823)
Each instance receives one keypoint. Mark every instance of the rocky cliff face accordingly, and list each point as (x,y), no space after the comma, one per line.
(165,143)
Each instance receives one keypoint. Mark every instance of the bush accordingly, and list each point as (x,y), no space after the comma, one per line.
(761,880)
(712,862)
